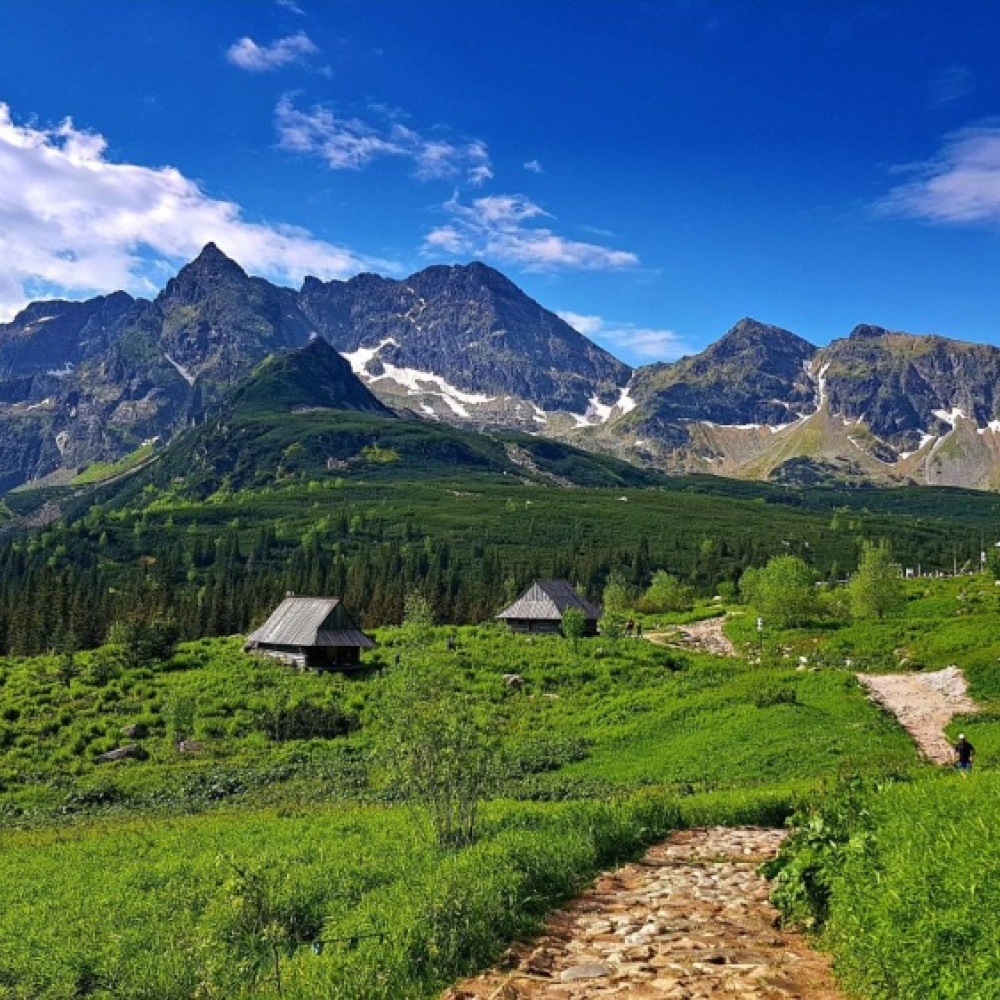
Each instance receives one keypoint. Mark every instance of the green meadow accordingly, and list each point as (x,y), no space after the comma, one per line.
(282,855)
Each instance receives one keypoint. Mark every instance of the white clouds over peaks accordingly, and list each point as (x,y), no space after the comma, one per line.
(639,343)
(960,185)
(351,144)
(73,222)
(506,228)
(254,58)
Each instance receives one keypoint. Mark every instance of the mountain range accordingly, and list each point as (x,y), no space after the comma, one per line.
(93,381)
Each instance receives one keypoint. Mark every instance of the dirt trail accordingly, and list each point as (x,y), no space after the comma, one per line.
(924,705)
(705,636)
(690,920)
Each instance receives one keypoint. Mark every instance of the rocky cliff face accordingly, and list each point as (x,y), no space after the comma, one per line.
(463,342)
(876,406)
(216,322)
(754,374)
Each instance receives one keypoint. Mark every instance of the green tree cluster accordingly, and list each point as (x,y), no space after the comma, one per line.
(876,589)
(665,594)
(783,592)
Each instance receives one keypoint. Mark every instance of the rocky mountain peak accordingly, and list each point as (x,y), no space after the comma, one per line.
(209,270)
(867,331)
(470,326)
(756,344)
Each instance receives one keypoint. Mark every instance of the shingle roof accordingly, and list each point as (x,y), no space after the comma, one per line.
(547,600)
(298,621)
(344,637)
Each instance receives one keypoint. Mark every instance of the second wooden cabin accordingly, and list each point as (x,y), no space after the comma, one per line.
(541,607)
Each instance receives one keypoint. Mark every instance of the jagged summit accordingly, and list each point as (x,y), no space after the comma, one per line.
(212,258)
(867,331)
(468,326)
(757,342)
(755,373)
(210,267)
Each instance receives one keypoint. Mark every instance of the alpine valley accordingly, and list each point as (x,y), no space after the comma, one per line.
(105,383)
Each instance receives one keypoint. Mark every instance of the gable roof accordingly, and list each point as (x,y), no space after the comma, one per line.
(300,621)
(547,600)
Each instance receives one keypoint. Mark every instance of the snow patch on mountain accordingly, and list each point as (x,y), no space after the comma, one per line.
(950,416)
(181,370)
(925,439)
(600,413)
(358,360)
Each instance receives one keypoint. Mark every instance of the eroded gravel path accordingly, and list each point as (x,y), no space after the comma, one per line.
(924,705)
(690,920)
(705,636)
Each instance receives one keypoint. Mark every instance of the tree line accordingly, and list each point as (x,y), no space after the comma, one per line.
(71,582)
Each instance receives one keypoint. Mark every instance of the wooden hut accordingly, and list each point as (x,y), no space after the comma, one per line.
(542,606)
(311,633)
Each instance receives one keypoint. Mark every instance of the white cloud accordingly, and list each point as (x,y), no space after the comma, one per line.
(959,185)
(292,6)
(640,343)
(587,325)
(254,58)
(352,143)
(505,228)
(533,166)
(73,223)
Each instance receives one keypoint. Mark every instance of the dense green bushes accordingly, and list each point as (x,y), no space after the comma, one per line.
(904,880)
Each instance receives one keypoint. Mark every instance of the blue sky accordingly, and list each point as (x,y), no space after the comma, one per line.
(653,171)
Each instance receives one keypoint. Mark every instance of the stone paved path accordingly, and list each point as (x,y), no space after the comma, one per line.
(689,921)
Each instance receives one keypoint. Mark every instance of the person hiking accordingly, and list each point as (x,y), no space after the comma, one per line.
(964,752)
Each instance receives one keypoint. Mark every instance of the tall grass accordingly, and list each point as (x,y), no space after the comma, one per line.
(903,882)
(913,911)
(353,904)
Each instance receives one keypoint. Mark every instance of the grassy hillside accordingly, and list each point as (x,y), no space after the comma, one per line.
(160,869)
(897,871)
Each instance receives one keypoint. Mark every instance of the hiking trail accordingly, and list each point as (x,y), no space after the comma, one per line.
(705,636)
(690,921)
(924,704)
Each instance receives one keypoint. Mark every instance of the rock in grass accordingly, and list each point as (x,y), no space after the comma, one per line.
(133,750)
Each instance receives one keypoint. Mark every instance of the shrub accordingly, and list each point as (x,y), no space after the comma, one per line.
(769,696)
(439,745)
(303,721)
(783,592)
(140,641)
(666,593)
